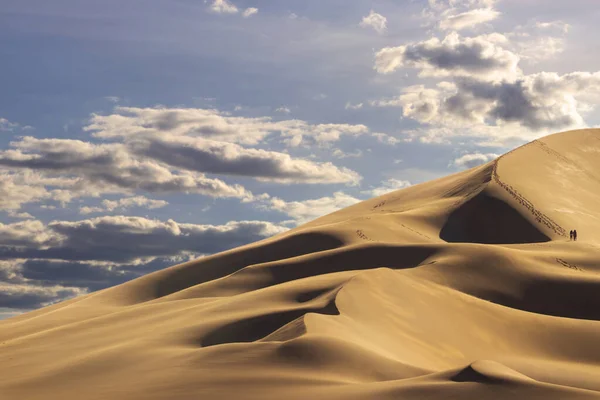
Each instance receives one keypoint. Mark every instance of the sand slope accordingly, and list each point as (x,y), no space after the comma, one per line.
(465,287)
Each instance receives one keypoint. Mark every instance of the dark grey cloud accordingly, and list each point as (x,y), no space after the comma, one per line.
(34,283)
(231,159)
(124,239)
(106,167)
(544,102)
(480,56)
(40,264)
(87,275)
(25,297)
(77,274)
(160,152)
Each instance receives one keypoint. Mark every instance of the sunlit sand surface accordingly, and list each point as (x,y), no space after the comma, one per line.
(466,287)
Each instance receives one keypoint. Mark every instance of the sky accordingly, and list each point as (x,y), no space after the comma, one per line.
(139,134)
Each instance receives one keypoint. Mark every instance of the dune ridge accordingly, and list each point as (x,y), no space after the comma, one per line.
(463,287)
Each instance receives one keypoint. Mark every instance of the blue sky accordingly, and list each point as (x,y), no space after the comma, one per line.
(138,134)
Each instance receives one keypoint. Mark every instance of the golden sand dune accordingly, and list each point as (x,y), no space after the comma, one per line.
(466,287)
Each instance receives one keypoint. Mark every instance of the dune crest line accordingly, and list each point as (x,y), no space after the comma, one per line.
(522,200)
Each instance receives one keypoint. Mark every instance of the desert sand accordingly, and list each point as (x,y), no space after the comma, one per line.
(466,287)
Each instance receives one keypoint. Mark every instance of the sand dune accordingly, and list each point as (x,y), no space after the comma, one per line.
(466,287)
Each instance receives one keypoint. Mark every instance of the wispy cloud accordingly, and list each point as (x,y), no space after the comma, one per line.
(357,106)
(223,7)
(387,186)
(468,19)
(375,21)
(474,159)
(124,204)
(306,210)
(248,12)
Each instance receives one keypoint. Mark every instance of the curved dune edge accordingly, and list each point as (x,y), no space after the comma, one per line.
(463,287)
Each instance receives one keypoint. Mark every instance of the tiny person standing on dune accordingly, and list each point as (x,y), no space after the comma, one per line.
(575,234)
(571,235)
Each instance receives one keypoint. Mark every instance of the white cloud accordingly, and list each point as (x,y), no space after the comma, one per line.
(485,93)
(165,151)
(554,25)
(322,134)
(536,49)
(19,215)
(387,186)
(85,210)
(108,168)
(283,110)
(22,187)
(473,160)
(127,122)
(338,153)
(16,190)
(457,56)
(304,211)
(536,102)
(459,12)
(444,5)
(374,21)
(386,139)
(223,7)
(468,19)
(6,125)
(27,233)
(418,102)
(248,12)
(350,106)
(537,41)
(137,201)
(123,204)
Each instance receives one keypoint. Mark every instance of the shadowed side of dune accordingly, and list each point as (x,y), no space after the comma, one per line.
(355,258)
(275,326)
(362,257)
(570,298)
(220,265)
(184,276)
(488,220)
(348,359)
(489,372)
